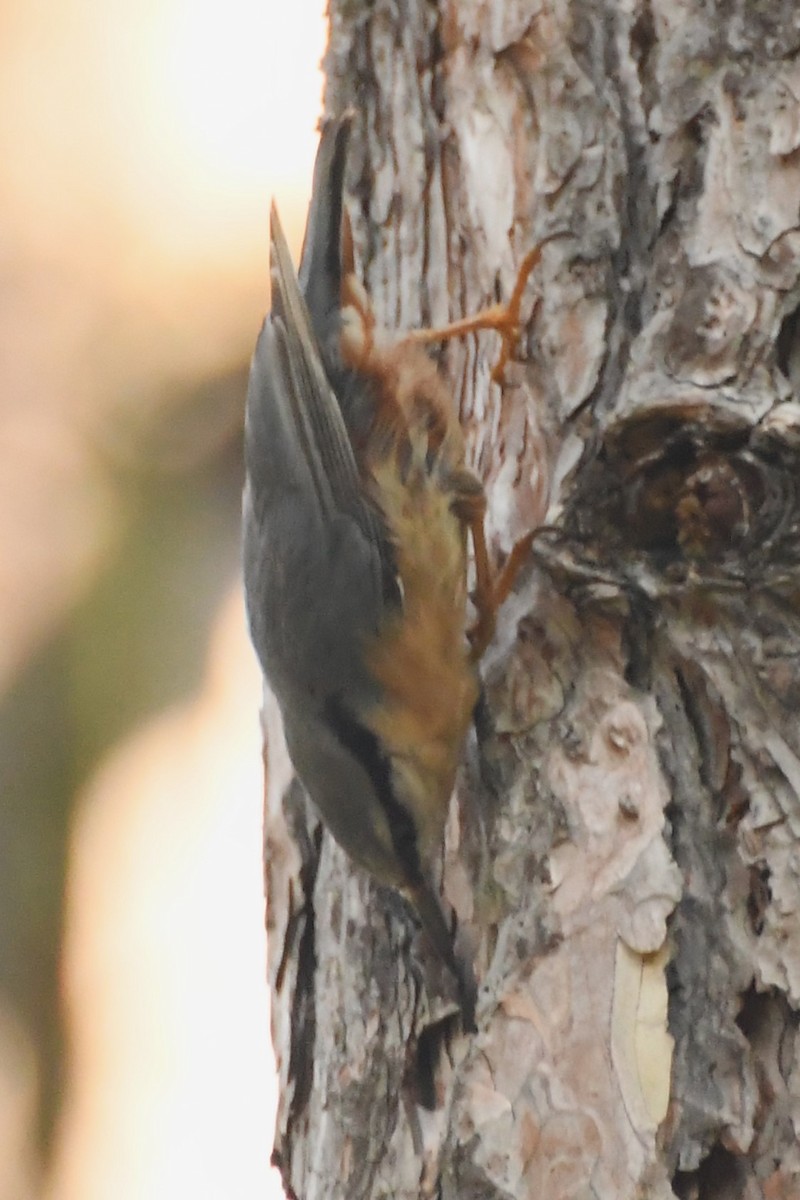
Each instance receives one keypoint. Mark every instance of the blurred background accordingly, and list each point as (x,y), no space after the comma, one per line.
(141,143)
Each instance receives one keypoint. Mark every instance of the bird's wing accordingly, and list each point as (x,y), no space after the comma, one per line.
(295,433)
(315,416)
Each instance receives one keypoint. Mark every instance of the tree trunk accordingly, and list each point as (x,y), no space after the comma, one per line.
(623,849)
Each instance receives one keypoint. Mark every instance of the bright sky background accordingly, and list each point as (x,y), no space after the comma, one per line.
(142,141)
(172,1090)
(183,115)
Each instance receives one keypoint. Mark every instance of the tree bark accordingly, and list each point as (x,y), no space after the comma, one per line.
(623,848)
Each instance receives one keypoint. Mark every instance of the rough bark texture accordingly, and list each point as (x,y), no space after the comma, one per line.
(624,847)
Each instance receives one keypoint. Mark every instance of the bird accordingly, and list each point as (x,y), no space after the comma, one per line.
(357,510)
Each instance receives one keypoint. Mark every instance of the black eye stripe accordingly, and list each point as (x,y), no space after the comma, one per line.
(364,746)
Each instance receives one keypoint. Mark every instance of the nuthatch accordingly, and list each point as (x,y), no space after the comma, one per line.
(357,506)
